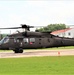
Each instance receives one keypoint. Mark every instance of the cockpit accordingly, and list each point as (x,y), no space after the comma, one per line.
(4,40)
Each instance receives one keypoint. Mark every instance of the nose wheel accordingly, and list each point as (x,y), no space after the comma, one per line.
(20,50)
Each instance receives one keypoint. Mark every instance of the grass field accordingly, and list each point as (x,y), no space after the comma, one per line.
(37,66)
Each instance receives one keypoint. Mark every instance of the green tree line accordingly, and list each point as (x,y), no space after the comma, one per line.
(52,27)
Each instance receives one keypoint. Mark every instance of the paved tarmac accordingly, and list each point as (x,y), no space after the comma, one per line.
(37,53)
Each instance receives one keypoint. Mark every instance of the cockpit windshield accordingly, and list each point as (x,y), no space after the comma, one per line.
(4,40)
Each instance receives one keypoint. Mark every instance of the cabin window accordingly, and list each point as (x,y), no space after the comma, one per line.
(25,40)
(32,40)
(16,40)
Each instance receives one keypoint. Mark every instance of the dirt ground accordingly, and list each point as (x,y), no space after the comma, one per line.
(37,53)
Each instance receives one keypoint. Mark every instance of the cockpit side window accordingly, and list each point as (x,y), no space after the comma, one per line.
(6,40)
(1,41)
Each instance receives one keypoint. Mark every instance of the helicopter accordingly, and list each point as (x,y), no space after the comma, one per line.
(32,40)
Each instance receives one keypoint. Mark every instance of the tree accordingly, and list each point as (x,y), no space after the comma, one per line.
(52,27)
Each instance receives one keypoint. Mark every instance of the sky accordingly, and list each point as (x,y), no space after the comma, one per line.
(36,12)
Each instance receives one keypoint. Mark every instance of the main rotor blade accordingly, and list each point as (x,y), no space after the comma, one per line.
(28,26)
(12,28)
(24,26)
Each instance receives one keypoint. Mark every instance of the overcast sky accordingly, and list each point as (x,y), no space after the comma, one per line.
(36,13)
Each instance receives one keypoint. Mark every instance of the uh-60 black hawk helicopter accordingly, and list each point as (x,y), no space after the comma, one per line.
(32,40)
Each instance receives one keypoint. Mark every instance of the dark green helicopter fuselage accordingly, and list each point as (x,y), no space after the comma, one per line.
(32,40)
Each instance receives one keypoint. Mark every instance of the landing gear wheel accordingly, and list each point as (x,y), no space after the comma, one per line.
(20,50)
(16,51)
